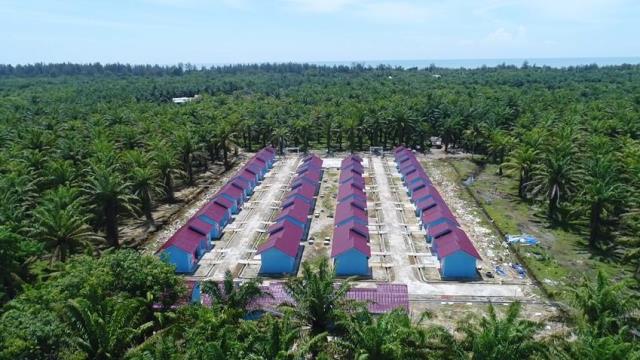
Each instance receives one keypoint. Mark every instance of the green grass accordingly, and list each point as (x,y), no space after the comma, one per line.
(561,259)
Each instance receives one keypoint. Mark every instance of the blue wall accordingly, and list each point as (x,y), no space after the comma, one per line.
(459,265)
(351,262)
(195,294)
(275,261)
(183,261)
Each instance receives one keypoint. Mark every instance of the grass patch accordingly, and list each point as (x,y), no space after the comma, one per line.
(561,259)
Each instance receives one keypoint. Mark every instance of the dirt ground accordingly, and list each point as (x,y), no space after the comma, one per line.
(399,250)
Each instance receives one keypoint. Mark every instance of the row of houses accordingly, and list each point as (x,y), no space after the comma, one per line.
(194,238)
(452,246)
(350,249)
(280,253)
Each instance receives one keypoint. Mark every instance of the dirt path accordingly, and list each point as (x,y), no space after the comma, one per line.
(391,226)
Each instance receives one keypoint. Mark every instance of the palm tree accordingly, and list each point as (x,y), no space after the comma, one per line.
(555,178)
(491,337)
(109,329)
(319,300)
(225,134)
(521,162)
(145,182)
(393,336)
(279,137)
(602,191)
(59,225)
(590,346)
(109,194)
(604,306)
(499,145)
(10,262)
(232,297)
(166,162)
(186,149)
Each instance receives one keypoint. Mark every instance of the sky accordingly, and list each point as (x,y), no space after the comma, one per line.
(242,31)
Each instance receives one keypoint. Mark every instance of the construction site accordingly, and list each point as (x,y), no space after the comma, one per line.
(398,251)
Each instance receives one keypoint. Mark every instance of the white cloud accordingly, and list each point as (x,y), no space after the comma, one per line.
(501,35)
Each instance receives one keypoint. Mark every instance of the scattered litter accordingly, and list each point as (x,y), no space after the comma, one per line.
(519,269)
(500,271)
(523,239)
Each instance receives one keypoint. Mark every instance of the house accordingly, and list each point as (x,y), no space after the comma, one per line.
(348,192)
(278,254)
(352,210)
(350,251)
(457,255)
(297,213)
(234,194)
(417,185)
(306,189)
(427,203)
(184,249)
(216,215)
(226,202)
(435,215)
(246,183)
(437,230)
(303,193)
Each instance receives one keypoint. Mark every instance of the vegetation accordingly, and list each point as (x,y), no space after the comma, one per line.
(83,148)
(118,306)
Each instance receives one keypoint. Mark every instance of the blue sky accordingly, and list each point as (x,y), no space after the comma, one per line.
(229,31)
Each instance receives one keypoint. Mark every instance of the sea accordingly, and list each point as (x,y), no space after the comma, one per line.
(476,63)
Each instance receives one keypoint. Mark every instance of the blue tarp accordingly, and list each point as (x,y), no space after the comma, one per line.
(524,239)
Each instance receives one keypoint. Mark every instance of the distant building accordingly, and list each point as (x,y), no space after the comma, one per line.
(183,100)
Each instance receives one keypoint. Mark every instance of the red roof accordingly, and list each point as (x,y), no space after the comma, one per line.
(285,237)
(223,201)
(348,209)
(455,241)
(233,191)
(347,190)
(305,191)
(430,202)
(440,229)
(214,211)
(345,240)
(436,213)
(298,211)
(185,239)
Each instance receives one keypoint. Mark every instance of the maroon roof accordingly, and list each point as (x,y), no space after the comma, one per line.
(214,210)
(305,191)
(233,191)
(430,202)
(352,165)
(399,149)
(348,243)
(455,241)
(417,175)
(422,192)
(347,174)
(380,299)
(298,203)
(185,239)
(305,188)
(346,210)
(298,211)
(285,237)
(199,226)
(348,190)
(222,201)
(440,229)
(353,157)
(353,181)
(355,229)
(437,213)
(311,174)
